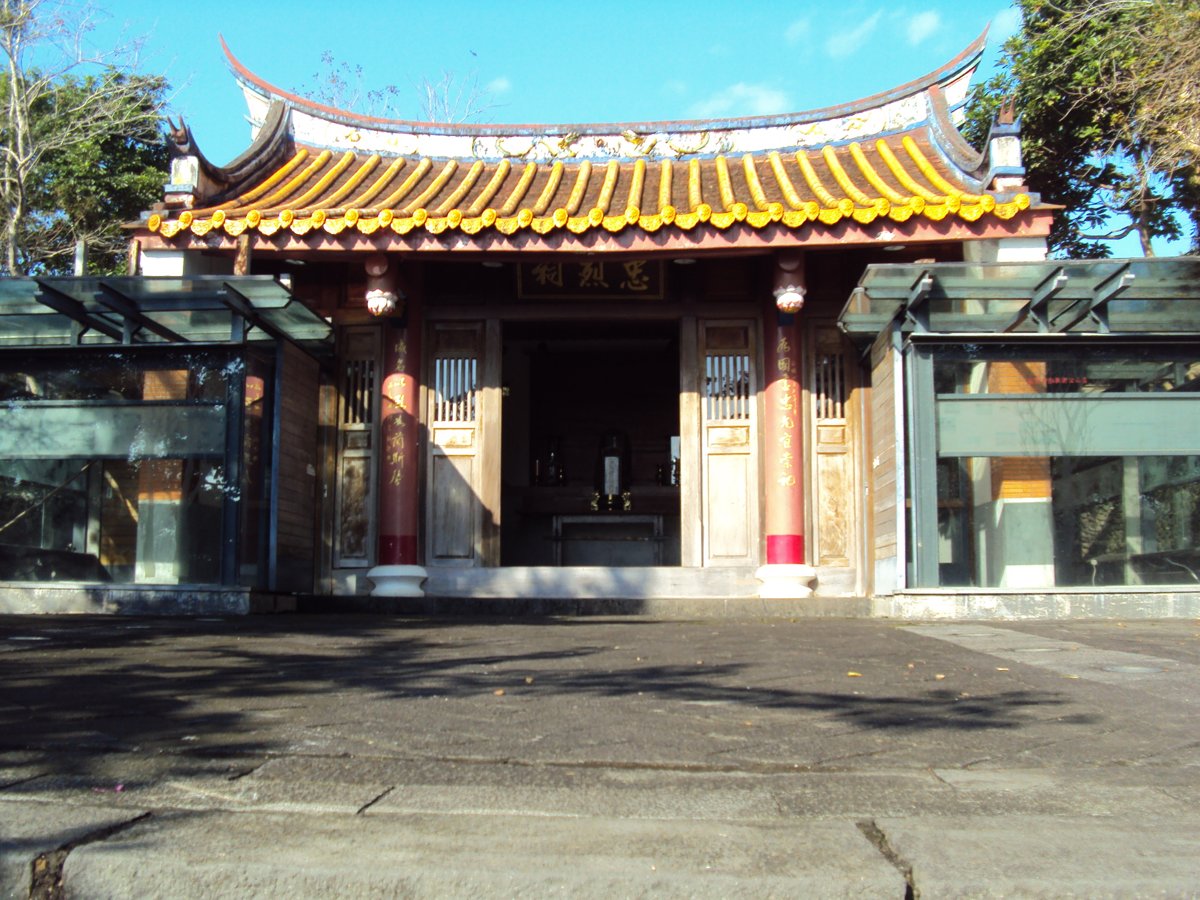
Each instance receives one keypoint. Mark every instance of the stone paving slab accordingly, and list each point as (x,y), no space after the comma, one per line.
(305,756)
(202,793)
(1050,857)
(307,785)
(1163,676)
(28,830)
(189,855)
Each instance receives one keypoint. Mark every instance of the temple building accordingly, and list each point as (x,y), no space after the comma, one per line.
(817,358)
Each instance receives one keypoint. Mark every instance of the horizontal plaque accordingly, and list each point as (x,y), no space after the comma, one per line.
(598,279)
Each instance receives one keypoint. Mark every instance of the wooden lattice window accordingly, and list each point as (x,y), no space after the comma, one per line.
(455,388)
(358,392)
(829,386)
(727,386)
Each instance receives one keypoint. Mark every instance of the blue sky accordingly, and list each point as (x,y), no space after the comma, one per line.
(611,61)
(560,63)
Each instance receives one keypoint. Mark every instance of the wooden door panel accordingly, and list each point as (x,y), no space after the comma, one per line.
(454,507)
(357,439)
(730,483)
(453,491)
(729,443)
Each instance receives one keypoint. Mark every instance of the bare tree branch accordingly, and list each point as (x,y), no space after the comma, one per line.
(57,94)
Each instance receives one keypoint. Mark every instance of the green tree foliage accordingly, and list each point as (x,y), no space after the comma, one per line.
(81,146)
(1108,93)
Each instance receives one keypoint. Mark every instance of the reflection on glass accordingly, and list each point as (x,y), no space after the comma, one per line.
(1029,522)
(117,376)
(256,445)
(1066,466)
(113,466)
(154,521)
(972,369)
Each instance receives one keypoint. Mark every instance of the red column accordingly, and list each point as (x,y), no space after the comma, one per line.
(399,514)
(782,432)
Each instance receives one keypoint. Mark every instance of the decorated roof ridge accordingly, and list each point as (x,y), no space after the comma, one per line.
(948,74)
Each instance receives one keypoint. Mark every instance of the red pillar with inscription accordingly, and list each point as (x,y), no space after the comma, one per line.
(398,487)
(398,573)
(785,574)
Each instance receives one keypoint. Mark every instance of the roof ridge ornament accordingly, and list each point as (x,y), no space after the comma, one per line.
(898,109)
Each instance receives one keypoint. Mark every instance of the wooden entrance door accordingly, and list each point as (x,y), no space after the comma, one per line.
(729,443)
(462,508)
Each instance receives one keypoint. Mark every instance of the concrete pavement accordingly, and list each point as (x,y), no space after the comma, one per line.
(330,756)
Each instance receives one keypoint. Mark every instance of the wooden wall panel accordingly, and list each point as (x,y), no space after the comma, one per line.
(296,511)
(882,465)
(831,385)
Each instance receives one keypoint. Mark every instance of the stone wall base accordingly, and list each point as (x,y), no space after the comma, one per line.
(1124,604)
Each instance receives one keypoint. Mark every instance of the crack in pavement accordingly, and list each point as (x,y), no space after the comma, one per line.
(362,809)
(874,834)
(46,870)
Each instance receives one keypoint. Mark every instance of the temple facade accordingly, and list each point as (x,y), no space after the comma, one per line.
(737,361)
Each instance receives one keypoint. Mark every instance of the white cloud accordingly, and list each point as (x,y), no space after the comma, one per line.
(675,87)
(797,31)
(922,26)
(1005,24)
(499,85)
(845,43)
(743,99)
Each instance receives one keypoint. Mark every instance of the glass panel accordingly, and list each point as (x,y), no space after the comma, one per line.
(112,466)
(145,521)
(116,376)
(1013,369)
(1042,522)
(43,504)
(1064,466)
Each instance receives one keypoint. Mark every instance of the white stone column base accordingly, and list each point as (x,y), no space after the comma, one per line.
(397,581)
(783,581)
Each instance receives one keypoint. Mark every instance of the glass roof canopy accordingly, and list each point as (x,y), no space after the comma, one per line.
(145,310)
(1107,296)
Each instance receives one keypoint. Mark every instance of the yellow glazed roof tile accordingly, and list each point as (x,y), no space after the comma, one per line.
(891,178)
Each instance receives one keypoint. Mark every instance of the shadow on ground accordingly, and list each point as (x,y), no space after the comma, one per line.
(103,685)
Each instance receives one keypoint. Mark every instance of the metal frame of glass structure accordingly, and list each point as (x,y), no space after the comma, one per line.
(1062,395)
(166,390)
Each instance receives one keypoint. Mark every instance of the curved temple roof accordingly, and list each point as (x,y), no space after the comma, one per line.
(312,169)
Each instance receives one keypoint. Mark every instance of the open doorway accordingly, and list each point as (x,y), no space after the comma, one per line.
(590,444)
